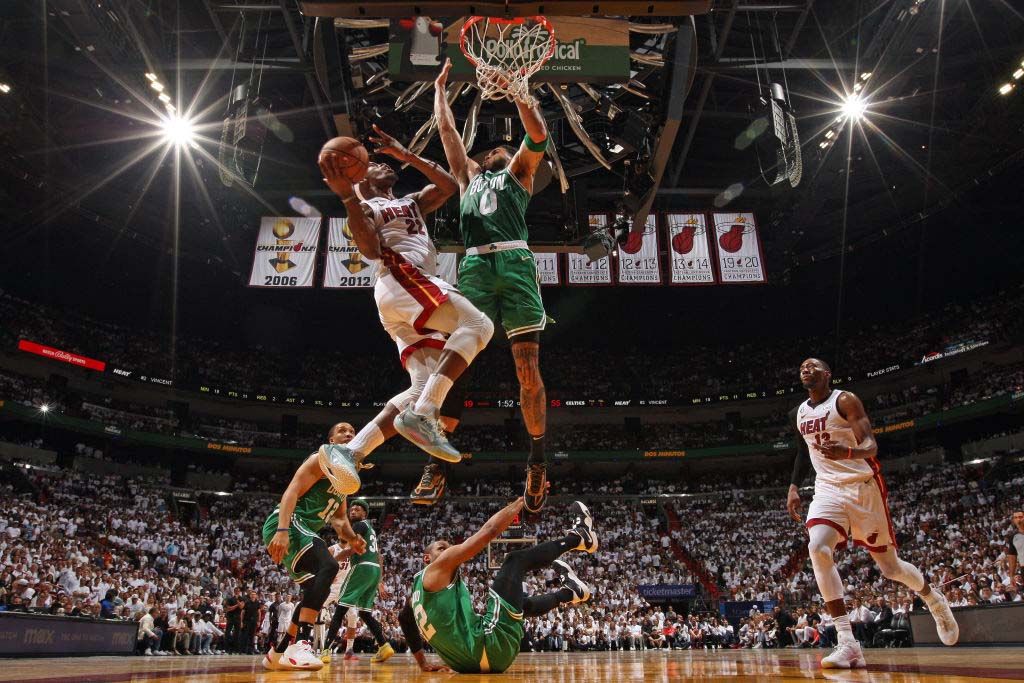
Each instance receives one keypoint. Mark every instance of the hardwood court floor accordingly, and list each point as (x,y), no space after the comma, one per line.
(970,665)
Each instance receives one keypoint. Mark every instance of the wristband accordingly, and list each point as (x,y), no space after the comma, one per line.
(348,198)
(285,529)
(535,146)
(849,452)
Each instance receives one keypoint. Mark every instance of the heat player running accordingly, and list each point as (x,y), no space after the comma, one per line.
(499,273)
(850,503)
(440,610)
(290,534)
(359,590)
(437,330)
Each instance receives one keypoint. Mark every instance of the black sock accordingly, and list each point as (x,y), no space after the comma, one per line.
(374,626)
(283,644)
(536,451)
(305,631)
(536,605)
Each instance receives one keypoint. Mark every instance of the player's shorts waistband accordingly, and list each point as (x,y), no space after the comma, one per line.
(496,246)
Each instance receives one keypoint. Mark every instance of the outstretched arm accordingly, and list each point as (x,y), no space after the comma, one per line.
(360,216)
(462,167)
(850,407)
(443,184)
(531,151)
(439,573)
(303,479)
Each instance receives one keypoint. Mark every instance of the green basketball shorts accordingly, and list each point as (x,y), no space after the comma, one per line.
(300,539)
(360,587)
(502,634)
(506,287)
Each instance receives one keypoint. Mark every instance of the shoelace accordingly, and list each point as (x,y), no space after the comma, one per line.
(536,476)
(428,476)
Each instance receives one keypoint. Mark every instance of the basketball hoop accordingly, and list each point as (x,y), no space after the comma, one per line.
(506,52)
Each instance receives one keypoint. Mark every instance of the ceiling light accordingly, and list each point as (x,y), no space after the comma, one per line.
(616,149)
(4,88)
(865,76)
(44,408)
(854,107)
(823,144)
(1017,74)
(857,87)
(157,85)
(178,131)
(164,97)
(151,77)
(830,134)
(1005,88)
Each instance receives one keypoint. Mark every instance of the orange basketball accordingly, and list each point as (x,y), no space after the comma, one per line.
(353,156)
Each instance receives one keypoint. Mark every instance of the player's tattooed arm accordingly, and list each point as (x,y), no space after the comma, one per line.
(463,168)
(852,410)
(439,573)
(526,160)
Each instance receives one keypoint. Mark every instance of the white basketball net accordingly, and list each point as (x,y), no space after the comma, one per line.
(506,53)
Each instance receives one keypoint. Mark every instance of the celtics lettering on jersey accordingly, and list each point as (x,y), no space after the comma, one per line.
(493,209)
(316,507)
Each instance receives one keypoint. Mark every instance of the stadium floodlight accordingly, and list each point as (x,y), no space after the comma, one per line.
(44,408)
(5,88)
(1005,88)
(854,107)
(178,131)
(1017,74)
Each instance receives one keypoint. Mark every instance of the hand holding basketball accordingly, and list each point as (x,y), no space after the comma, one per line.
(334,175)
(442,80)
(389,145)
(348,155)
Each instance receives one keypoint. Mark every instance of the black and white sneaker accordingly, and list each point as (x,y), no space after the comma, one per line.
(432,484)
(583,526)
(580,590)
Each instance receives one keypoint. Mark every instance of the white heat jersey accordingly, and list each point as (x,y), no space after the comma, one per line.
(401,229)
(824,423)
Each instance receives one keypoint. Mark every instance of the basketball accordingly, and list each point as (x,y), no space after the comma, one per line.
(354,157)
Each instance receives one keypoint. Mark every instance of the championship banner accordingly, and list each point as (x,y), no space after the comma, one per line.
(448,268)
(739,248)
(639,263)
(690,259)
(581,271)
(346,267)
(285,252)
(547,268)
(593,50)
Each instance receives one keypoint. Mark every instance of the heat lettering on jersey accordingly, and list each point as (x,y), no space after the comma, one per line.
(815,425)
(393,211)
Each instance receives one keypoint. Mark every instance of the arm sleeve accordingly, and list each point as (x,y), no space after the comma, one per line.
(407,621)
(802,460)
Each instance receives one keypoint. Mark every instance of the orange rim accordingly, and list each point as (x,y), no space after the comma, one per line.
(472,21)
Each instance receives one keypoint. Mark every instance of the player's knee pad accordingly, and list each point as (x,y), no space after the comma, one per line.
(472,335)
(316,589)
(820,553)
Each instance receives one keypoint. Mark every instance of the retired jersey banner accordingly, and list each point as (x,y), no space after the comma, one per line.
(547,268)
(347,268)
(639,263)
(689,250)
(739,248)
(448,268)
(581,271)
(285,252)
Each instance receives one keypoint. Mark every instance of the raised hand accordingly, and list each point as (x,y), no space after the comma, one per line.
(441,82)
(389,145)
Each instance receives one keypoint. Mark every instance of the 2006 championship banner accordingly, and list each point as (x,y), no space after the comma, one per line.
(286,251)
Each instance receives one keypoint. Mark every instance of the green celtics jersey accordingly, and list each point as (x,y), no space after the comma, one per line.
(364,529)
(315,507)
(447,621)
(493,209)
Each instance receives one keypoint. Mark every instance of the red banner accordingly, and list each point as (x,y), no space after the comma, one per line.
(63,356)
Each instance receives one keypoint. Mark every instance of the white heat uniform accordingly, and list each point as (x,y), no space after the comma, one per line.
(849,495)
(344,566)
(408,290)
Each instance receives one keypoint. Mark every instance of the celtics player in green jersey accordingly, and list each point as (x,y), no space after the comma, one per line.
(291,535)
(360,588)
(440,609)
(499,274)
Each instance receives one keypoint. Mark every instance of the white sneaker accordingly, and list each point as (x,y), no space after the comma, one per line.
(945,622)
(148,652)
(846,655)
(299,657)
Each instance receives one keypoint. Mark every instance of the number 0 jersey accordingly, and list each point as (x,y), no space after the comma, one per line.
(493,209)
(824,423)
(401,229)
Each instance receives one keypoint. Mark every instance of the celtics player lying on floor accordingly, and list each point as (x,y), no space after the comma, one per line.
(440,610)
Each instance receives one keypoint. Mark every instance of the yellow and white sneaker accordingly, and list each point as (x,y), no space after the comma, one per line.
(385,653)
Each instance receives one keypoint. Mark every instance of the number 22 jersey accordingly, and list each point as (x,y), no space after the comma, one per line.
(401,228)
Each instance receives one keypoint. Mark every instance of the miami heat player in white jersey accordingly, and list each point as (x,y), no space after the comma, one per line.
(402,229)
(822,423)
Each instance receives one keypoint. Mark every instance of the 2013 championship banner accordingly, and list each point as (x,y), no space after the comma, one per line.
(639,263)
(581,271)
(690,259)
(285,252)
(347,268)
(739,248)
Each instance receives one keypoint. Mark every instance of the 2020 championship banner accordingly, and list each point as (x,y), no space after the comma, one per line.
(739,248)
(346,268)
(285,252)
(689,251)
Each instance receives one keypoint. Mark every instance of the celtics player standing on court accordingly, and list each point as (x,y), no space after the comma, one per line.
(440,610)
(359,591)
(499,274)
(290,534)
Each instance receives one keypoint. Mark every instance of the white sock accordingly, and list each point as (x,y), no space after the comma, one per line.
(843,627)
(433,395)
(368,438)
(349,644)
